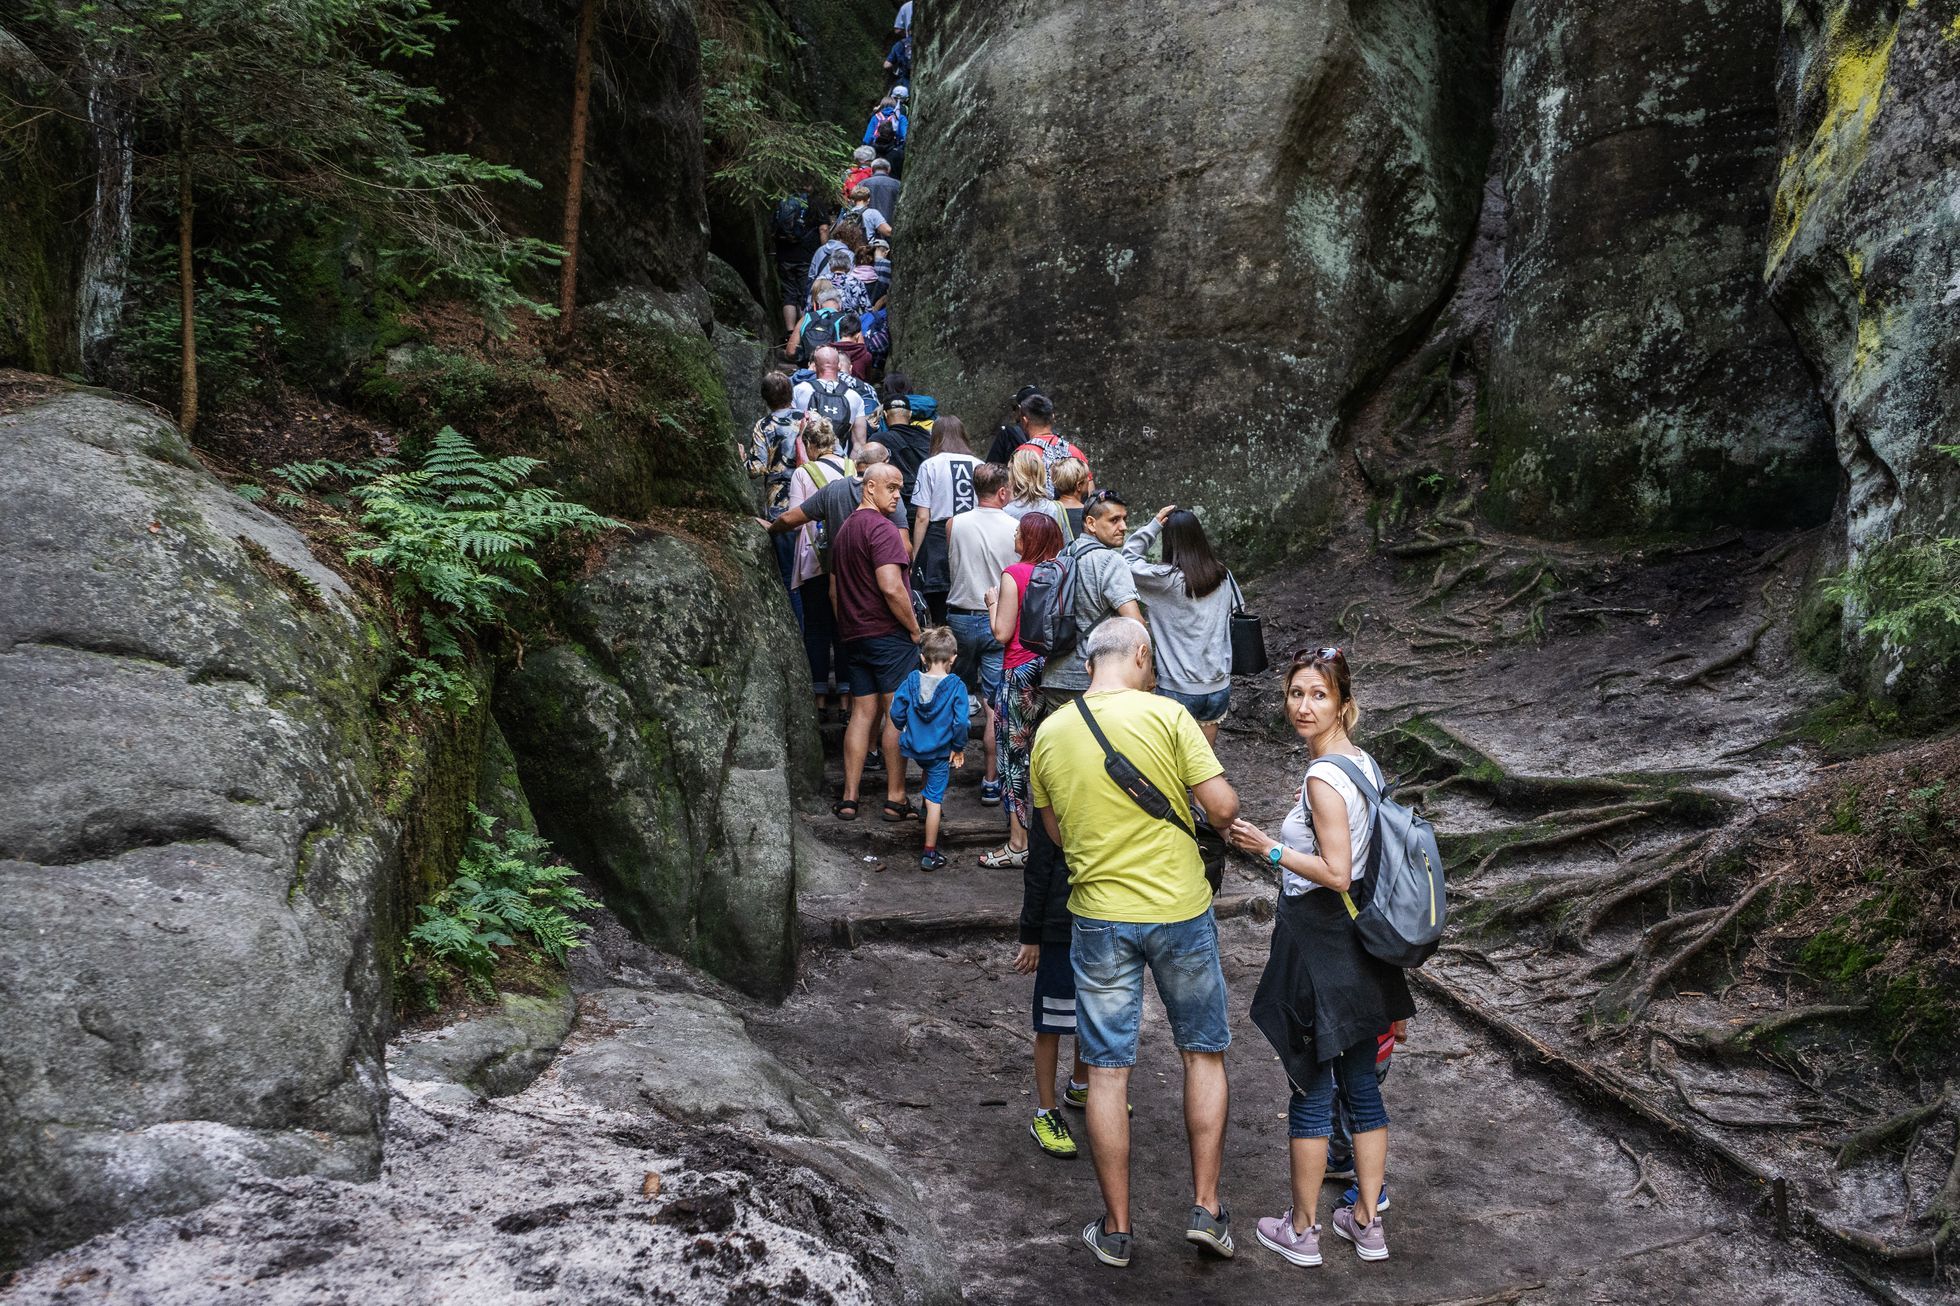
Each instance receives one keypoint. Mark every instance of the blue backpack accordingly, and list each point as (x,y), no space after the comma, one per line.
(1406,910)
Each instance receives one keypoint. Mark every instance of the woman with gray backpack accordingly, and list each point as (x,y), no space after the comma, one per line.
(1325,996)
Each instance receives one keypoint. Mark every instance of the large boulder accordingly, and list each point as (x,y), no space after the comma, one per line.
(192,853)
(1199,228)
(1864,260)
(1639,379)
(665,744)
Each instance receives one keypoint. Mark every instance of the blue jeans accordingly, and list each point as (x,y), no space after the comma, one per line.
(1310,1111)
(1109,957)
(1340,1144)
(979,664)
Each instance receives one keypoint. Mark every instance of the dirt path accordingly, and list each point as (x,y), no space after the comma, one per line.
(1587,733)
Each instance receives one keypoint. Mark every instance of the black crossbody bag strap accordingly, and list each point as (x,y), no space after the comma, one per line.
(1132,781)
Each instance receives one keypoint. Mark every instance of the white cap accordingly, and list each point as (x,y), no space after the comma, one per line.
(901,93)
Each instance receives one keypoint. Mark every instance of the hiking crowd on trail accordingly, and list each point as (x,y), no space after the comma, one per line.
(944,597)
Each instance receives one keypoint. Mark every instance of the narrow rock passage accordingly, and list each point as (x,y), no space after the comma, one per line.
(1505,1184)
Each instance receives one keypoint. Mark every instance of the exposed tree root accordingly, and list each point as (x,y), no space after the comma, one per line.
(1875,1137)
(1522,590)
(1424,548)
(1733,657)
(1643,1181)
(1623,1001)
(1646,882)
(1626,815)
(1650,941)
(1741,1041)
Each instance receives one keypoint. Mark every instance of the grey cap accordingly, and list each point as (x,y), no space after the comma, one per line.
(901,93)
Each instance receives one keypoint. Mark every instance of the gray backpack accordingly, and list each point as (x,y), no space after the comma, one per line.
(1402,919)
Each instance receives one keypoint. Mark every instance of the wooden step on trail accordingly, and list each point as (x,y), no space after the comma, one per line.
(851,929)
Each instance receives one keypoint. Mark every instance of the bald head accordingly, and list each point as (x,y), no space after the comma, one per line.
(870,454)
(1118,654)
(884,484)
(826,361)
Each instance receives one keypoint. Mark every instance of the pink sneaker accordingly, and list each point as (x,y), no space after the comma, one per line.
(1370,1243)
(1300,1248)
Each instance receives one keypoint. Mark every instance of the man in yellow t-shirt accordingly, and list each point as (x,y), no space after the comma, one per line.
(1139,897)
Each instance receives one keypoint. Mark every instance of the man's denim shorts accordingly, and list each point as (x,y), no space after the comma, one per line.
(980,653)
(1205,708)
(1109,957)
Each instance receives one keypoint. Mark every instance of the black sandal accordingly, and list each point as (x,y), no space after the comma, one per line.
(896,812)
(837,809)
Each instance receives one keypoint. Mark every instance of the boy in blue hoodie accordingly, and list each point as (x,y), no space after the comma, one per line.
(931,717)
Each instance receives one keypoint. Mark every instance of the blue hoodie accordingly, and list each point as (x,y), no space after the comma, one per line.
(931,715)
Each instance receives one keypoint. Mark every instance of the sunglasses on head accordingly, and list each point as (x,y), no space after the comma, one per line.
(1325,652)
(1105,496)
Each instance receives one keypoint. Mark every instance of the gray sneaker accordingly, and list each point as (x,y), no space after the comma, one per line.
(1370,1243)
(1110,1248)
(1211,1232)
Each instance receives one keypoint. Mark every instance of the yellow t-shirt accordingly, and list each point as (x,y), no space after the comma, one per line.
(1124,864)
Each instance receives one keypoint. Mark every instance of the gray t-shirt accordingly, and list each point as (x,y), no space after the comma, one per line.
(1102,585)
(884,194)
(835,502)
(1192,637)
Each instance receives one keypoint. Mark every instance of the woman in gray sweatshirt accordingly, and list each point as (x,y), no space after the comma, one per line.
(1188,601)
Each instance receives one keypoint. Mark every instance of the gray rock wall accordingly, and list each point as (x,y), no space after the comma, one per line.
(1863,259)
(664,747)
(1639,379)
(1198,227)
(192,857)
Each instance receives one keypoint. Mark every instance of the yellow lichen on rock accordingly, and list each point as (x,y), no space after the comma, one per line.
(1853,74)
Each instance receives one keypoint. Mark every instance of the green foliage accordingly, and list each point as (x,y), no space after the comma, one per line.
(506,894)
(761,145)
(1907,590)
(457,534)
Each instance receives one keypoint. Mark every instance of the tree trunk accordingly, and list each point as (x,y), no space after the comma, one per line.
(186,302)
(105,264)
(588,22)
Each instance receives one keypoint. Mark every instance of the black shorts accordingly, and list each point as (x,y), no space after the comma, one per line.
(1054,991)
(879,665)
(795,278)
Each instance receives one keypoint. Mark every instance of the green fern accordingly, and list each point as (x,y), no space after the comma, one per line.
(505,894)
(457,533)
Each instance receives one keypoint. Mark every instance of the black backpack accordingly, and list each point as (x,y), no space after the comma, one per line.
(836,407)
(821,331)
(791,225)
(884,136)
(1048,608)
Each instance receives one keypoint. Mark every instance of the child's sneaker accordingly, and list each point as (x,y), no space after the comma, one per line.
(990,793)
(1077,1096)
(932,860)
(1339,1168)
(1370,1242)
(1301,1248)
(1050,1133)
(1353,1195)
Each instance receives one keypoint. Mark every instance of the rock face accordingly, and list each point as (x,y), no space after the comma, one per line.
(43,215)
(192,857)
(1198,228)
(1863,259)
(1639,379)
(664,746)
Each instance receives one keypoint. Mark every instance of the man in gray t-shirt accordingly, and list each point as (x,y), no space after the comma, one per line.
(835,502)
(1103,588)
(884,189)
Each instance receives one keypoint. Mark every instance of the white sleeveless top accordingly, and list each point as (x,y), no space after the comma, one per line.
(1296,832)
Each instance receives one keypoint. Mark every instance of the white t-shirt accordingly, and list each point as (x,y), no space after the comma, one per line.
(904,20)
(1296,832)
(945,485)
(800,398)
(982,548)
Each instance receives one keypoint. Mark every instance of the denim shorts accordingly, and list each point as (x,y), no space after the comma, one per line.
(938,774)
(1206,708)
(979,664)
(879,665)
(1109,957)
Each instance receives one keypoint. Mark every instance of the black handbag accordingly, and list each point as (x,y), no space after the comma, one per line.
(1248,636)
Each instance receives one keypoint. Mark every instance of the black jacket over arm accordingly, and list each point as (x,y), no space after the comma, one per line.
(1045,916)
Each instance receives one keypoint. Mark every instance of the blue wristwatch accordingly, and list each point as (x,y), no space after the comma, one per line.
(1274,853)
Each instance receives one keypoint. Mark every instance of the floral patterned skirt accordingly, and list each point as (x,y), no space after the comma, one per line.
(1019,706)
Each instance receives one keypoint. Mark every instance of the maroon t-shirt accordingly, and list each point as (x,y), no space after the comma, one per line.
(865,542)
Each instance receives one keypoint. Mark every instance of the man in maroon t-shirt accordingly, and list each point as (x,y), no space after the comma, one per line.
(870,569)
